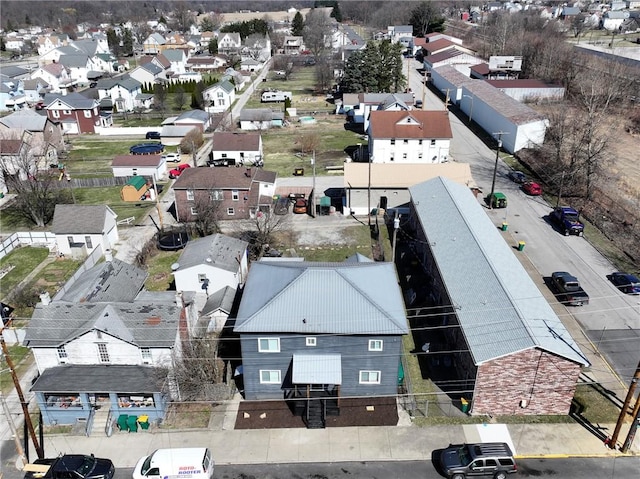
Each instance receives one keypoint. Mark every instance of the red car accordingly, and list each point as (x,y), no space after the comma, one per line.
(177,171)
(532,188)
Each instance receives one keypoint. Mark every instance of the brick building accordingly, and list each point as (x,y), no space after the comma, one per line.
(488,334)
(234,193)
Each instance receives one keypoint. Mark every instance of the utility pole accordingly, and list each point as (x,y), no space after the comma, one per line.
(625,407)
(560,189)
(313,204)
(396,226)
(14,430)
(635,425)
(495,168)
(25,405)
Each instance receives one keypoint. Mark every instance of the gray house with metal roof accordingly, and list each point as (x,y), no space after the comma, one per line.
(510,353)
(321,331)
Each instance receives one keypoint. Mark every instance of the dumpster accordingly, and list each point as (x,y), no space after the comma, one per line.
(496,200)
(520,245)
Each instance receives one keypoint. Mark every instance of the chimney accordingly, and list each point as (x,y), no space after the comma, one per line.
(247,173)
(108,256)
(45,299)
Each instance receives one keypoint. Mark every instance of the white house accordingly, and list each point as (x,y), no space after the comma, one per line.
(178,59)
(612,19)
(212,263)
(152,166)
(121,91)
(219,97)
(415,136)
(243,148)
(229,43)
(80,229)
(55,75)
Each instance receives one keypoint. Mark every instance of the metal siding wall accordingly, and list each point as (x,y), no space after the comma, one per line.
(355,358)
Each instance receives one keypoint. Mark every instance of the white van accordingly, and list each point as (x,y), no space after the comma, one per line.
(178,463)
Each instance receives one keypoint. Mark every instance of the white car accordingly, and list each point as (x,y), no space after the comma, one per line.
(171,158)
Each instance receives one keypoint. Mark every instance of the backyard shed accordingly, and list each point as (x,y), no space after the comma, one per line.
(139,165)
(136,189)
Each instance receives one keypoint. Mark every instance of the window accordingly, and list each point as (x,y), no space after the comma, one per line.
(62,354)
(235,196)
(55,113)
(146,355)
(392,157)
(230,211)
(194,211)
(310,341)
(375,345)
(202,277)
(191,195)
(87,113)
(70,241)
(393,141)
(419,142)
(88,242)
(404,156)
(406,142)
(216,195)
(369,377)
(224,155)
(268,345)
(220,94)
(269,376)
(433,142)
(419,156)
(66,112)
(103,354)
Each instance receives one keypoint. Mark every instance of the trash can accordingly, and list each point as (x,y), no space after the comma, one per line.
(505,226)
(520,245)
(464,405)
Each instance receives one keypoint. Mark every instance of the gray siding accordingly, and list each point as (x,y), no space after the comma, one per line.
(355,358)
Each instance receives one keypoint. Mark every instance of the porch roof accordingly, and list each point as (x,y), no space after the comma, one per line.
(99,378)
(317,369)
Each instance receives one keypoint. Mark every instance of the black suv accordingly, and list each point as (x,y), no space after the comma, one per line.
(490,459)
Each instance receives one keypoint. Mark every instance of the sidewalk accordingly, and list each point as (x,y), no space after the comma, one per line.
(261,446)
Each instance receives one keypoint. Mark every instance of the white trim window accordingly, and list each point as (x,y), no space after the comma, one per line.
(103,353)
(231,212)
(270,376)
(369,377)
(375,345)
(62,354)
(191,195)
(194,211)
(146,355)
(268,345)
(235,195)
(311,342)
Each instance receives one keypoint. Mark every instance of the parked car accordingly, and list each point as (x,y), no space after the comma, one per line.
(177,171)
(517,176)
(625,282)
(532,188)
(282,206)
(153,135)
(76,466)
(489,459)
(300,206)
(171,158)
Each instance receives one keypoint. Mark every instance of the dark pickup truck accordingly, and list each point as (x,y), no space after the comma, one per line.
(568,290)
(70,466)
(568,220)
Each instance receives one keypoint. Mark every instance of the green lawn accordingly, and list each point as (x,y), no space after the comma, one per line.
(22,358)
(24,260)
(159,269)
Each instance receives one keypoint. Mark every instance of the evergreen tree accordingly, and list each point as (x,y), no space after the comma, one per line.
(3,45)
(297,25)
(213,46)
(336,13)
(127,42)
(27,20)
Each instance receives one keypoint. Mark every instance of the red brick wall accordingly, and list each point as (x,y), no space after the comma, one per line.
(240,206)
(547,382)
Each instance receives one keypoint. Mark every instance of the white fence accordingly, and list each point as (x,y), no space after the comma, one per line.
(140,131)
(13,335)
(28,238)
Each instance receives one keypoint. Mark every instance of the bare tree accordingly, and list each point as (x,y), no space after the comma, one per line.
(308,141)
(207,212)
(160,96)
(266,224)
(197,367)
(183,17)
(35,186)
(180,98)
(317,31)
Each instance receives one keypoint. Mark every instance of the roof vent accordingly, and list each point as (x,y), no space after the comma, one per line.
(175,266)
(208,260)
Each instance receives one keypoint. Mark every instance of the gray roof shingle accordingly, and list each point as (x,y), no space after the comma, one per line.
(104,378)
(80,219)
(217,250)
